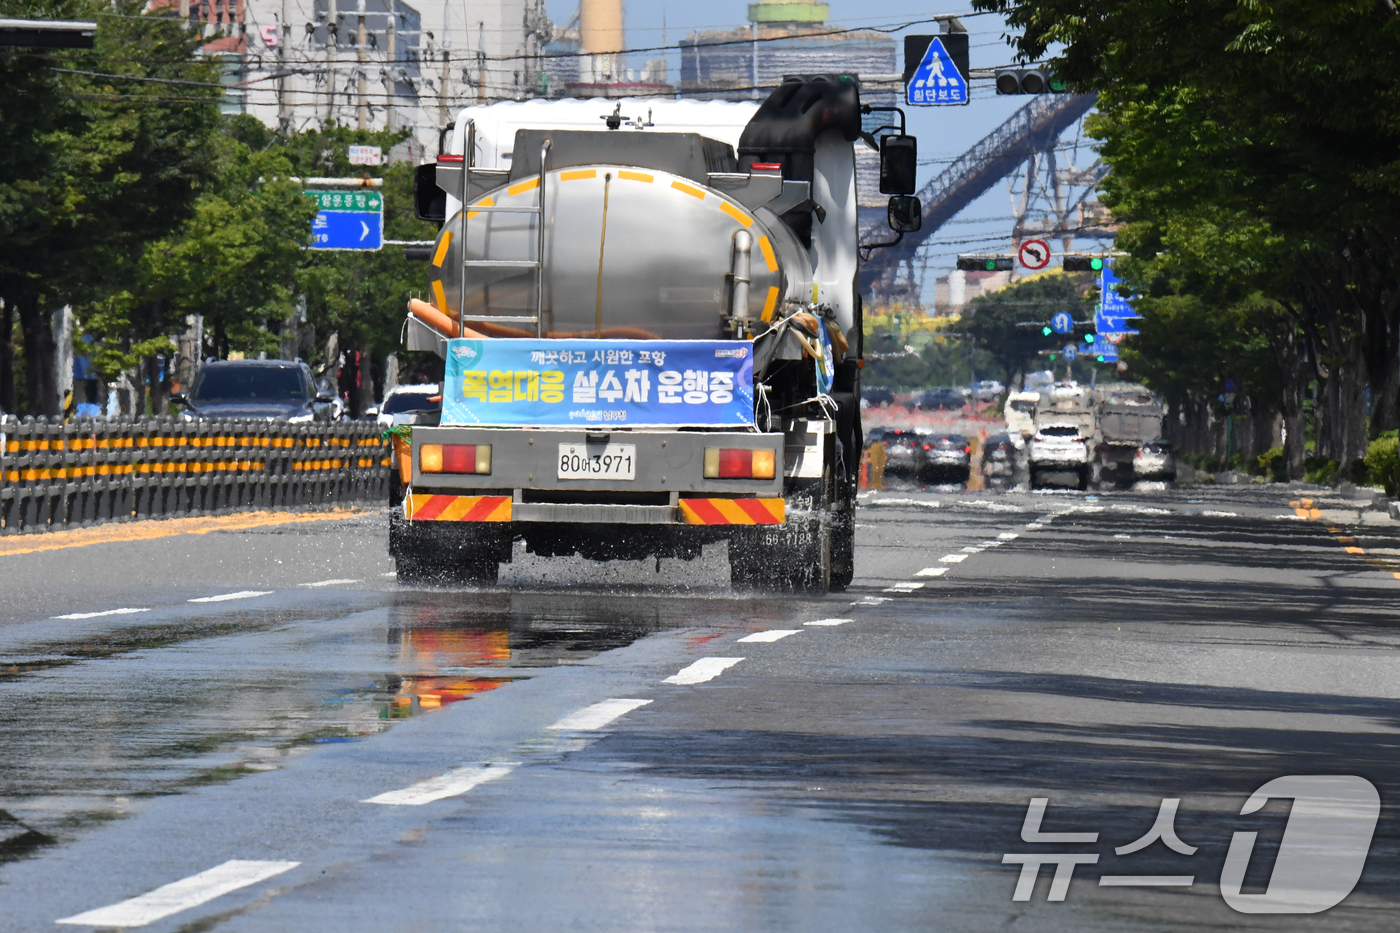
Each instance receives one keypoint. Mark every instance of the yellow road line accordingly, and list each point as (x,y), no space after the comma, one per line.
(149,530)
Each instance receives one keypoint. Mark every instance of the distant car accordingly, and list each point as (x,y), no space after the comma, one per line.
(948,457)
(274,390)
(904,454)
(1154,460)
(988,390)
(1059,448)
(941,399)
(999,455)
(878,398)
(407,403)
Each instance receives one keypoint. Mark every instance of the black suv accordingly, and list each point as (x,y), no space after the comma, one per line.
(252,389)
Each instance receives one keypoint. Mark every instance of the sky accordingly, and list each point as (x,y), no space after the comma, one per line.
(944,132)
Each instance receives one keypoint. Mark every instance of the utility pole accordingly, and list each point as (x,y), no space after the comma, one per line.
(481,63)
(391,37)
(361,111)
(283,111)
(446,48)
(332,27)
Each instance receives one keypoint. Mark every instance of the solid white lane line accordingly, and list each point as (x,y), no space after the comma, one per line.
(904,588)
(1008,536)
(953,558)
(328,583)
(701,671)
(773,634)
(932,572)
(94,615)
(181,895)
(828,622)
(597,716)
(871,601)
(244,594)
(455,782)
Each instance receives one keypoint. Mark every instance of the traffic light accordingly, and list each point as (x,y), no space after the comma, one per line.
(1032,80)
(1046,330)
(1083,264)
(986,263)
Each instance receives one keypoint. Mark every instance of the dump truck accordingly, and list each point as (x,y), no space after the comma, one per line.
(1129,416)
(651,332)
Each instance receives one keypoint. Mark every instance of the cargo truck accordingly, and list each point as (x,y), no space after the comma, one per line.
(651,332)
(1129,417)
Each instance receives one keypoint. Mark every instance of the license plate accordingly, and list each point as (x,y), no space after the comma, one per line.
(615,461)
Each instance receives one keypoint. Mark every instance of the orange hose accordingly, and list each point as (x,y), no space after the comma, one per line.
(439,321)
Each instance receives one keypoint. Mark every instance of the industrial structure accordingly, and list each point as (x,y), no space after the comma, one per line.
(1027,140)
(792,37)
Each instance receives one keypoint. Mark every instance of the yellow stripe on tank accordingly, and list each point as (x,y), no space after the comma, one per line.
(523,187)
(688,189)
(443,244)
(768,256)
(637,176)
(579,175)
(737,214)
(770,303)
(484,202)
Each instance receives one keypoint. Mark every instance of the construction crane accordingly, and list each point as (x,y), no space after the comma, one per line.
(1033,129)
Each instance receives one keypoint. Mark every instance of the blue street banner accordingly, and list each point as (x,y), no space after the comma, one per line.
(633,383)
(347,220)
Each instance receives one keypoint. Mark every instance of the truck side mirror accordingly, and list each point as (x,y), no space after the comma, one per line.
(429,201)
(899,163)
(906,214)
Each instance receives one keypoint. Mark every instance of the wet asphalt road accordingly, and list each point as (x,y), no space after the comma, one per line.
(1102,652)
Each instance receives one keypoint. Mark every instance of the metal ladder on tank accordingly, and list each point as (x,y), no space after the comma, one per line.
(537,264)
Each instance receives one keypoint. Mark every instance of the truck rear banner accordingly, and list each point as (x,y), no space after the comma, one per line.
(633,383)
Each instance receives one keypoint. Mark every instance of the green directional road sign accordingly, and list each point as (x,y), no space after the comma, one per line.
(348,220)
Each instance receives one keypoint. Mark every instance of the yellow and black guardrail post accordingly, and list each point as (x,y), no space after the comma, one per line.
(89,472)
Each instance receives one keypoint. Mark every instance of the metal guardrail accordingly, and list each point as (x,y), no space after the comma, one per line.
(84,473)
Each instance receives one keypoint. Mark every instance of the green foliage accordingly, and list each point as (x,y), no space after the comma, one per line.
(1383,463)
(991,320)
(1271,464)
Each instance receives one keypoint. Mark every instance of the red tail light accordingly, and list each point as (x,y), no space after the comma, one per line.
(454,458)
(928,447)
(967,448)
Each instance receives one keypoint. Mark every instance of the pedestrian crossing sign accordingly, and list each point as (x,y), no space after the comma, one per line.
(937,80)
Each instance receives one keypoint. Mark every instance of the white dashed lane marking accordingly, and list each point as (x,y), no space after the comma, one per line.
(328,583)
(245,594)
(828,622)
(904,588)
(1008,536)
(701,671)
(973,549)
(598,715)
(932,572)
(451,784)
(106,612)
(181,895)
(773,634)
(953,558)
(871,601)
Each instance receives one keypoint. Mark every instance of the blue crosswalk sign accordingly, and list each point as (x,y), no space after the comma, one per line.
(936,80)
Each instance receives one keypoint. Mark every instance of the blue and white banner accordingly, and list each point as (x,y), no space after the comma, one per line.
(636,383)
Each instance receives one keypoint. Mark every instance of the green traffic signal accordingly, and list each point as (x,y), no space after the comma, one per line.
(991,265)
(1052,357)
(1096,265)
(1088,338)
(1100,359)
(1045,331)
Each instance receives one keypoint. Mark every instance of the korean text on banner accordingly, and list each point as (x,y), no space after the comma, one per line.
(636,383)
